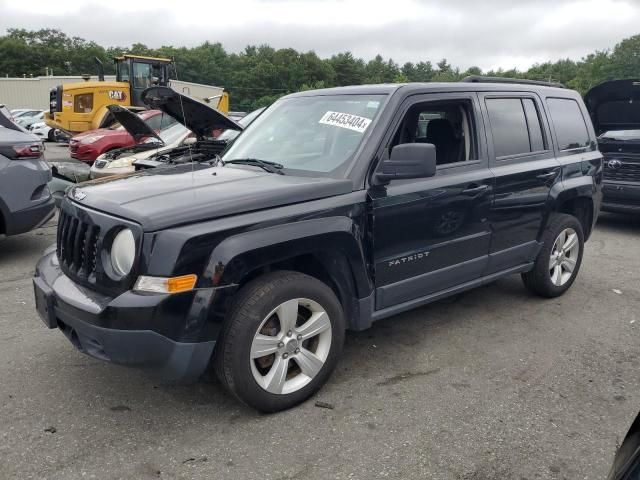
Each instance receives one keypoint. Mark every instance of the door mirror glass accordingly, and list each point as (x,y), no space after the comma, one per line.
(408,160)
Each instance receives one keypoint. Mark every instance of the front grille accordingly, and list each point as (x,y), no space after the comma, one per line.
(626,169)
(77,245)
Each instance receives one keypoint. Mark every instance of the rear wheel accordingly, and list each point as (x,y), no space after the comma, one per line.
(559,259)
(51,135)
(281,341)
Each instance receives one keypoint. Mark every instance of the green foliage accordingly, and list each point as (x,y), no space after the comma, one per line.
(260,74)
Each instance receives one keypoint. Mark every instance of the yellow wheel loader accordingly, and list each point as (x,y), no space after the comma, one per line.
(82,106)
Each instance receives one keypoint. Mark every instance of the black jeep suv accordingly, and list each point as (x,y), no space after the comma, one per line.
(334,209)
(615,111)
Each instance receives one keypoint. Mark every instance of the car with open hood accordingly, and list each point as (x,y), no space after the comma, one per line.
(204,156)
(615,111)
(334,209)
(190,139)
(88,146)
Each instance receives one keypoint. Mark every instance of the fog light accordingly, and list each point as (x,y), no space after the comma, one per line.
(183,283)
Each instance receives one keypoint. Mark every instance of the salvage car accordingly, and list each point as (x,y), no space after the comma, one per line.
(88,146)
(25,200)
(615,112)
(205,151)
(331,211)
(189,140)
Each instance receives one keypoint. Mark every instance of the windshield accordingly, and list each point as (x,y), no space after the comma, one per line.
(621,135)
(176,133)
(315,134)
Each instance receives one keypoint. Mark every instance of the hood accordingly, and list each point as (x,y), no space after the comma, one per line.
(165,197)
(6,122)
(196,116)
(98,131)
(132,123)
(614,105)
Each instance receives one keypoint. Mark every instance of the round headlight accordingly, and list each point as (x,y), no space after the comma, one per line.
(123,252)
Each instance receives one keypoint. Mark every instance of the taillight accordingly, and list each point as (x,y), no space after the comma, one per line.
(22,151)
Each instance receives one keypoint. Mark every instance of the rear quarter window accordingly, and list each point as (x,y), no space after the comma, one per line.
(568,121)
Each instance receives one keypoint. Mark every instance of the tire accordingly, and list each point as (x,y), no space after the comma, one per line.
(544,279)
(254,325)
(51,135)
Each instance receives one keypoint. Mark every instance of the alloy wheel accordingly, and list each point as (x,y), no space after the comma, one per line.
(291,346)
(564,257)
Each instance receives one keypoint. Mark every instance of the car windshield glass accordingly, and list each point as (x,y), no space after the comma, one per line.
(621,135)
(315,134)
(171,135)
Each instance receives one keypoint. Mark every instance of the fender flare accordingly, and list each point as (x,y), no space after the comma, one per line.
(330,237)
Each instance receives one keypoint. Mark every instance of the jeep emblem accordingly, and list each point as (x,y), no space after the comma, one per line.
(614,164)
(78,194)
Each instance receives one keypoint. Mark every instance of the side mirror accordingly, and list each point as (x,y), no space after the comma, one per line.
(408,160)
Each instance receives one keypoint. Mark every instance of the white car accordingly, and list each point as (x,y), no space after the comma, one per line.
(120,161)
(26,120)
(42,131)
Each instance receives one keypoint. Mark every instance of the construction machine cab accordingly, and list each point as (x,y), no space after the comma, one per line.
(142,73)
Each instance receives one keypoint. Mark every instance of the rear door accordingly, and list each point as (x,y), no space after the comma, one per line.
(522,158)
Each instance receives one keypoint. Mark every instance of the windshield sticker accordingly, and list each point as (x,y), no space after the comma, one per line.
(345,120)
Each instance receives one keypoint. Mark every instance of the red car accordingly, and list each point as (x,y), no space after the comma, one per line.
(87,146)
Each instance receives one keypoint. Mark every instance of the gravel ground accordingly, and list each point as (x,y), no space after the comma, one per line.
(492,384)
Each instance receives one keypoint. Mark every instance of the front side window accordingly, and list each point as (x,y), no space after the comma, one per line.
(159,122)
(142,75)
(315,134)
(83,103)
(448,125)
(571,130)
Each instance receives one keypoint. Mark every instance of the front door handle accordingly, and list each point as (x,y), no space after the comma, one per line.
(547,176)
(474,190)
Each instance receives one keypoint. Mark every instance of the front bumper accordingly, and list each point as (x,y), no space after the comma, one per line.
(84,153)
(122,330)
(622,197)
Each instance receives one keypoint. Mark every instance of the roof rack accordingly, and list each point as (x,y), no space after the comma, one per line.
(522,81)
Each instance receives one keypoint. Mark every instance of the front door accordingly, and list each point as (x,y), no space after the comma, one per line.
(431,235)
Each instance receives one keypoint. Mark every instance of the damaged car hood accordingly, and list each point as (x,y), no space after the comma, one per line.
(196,116)
(166,197)
(614,105)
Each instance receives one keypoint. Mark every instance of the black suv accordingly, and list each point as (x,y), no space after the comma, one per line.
(615,111)
(334,209)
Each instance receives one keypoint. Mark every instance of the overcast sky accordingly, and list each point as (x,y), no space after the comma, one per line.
(486,33)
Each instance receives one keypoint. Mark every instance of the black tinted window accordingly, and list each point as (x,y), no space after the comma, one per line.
(571,131)
(508,126)
(535,129)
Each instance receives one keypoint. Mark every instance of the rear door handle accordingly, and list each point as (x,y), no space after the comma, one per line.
(474,190)
(547,176)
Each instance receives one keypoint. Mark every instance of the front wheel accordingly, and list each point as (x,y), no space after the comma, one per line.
(281,341)
(559,260)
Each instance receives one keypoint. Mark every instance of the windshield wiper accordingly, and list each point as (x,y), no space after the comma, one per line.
(271,167)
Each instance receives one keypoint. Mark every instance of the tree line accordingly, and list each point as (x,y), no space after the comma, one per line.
(260,74)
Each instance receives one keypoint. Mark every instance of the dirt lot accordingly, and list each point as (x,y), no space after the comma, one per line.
(493,384)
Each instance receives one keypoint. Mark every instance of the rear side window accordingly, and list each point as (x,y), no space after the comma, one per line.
(515,126)
(571,130)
